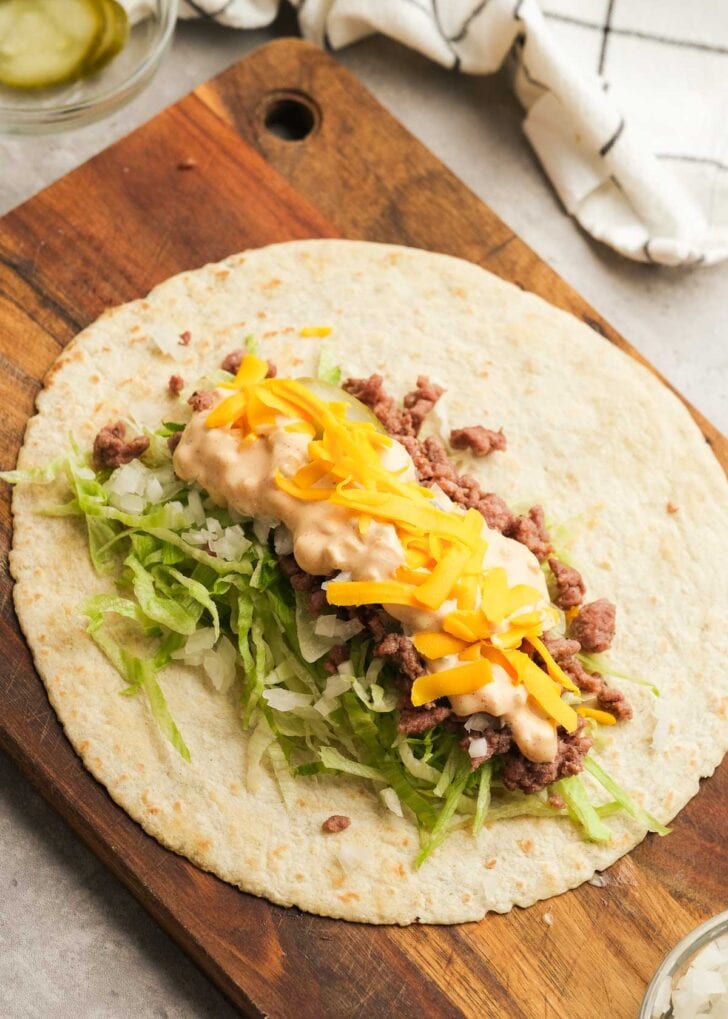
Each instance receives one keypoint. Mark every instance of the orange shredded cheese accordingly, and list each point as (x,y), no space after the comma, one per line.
(602,717)
(315,331)
(451,682)
(443,551)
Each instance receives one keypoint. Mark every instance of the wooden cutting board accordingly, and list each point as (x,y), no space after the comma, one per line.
(107,233)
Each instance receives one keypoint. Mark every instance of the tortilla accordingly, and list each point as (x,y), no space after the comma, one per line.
(592,435)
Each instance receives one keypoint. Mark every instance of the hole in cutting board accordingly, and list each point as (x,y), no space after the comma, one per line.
(291,116)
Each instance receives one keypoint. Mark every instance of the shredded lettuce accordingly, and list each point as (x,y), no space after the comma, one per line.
(580,808)
(234,615)
(483,801)
(598,663)
(623,798)
(328,370)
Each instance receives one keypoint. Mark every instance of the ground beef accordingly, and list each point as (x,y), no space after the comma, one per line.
(432,464)
(371,393)
(202,400)
(613,700)
(588,682)
(531,531)
(336,823)
(570,587)
(175,385)
(304,583)
(317,601)
(173,441)
(499,741)
(414,721)
(561,648)
(594,626)
(531,777)
(372,619)
(112,449)
(401,651)
(336,656)
(232,361)
(479,440)
(421,400)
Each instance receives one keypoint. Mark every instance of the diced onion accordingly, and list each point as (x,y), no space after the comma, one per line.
(282,541)
(167,339)
(478,723)
(391,800)
(478,748)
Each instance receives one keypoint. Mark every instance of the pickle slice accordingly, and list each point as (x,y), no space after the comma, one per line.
(113,37)
(46,42)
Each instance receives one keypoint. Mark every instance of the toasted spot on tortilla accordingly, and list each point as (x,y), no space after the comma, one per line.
(490,864)
(526,845)
(350,897)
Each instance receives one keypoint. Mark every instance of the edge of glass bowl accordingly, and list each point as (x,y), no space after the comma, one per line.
(40,119)
(678,956)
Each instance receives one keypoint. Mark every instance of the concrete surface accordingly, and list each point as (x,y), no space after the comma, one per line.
(74,942)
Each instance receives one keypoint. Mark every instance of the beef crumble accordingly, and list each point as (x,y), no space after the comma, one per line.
(530,530)
(479,440)
(175,385)
(400,650)
(112,448)
(415,721)
(498,741)
(421,400)
(594,626)
(203,399)
(570,587)
(336,823)
(532,776)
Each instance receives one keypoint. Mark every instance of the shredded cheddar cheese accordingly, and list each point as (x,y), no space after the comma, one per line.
(483,621)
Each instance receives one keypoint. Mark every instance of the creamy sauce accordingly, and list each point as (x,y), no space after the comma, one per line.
(326,539)
(534,734)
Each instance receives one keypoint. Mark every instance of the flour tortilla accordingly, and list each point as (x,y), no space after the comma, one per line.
(591,435)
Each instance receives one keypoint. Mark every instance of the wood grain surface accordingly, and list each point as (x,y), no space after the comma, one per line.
(109,232)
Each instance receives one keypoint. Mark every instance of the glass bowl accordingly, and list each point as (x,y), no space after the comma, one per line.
(81,102)
(656,1002)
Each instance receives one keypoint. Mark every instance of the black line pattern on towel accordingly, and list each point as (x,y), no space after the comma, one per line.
(609,144)
(646,250)
(605,36)
(517,10)
(702,160)
(633,33)
(208,15)
(463,30)
(455,66)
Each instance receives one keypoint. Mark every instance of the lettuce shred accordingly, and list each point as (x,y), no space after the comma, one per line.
(170,588)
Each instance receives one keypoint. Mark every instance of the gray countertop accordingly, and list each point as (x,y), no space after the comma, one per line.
(74,942)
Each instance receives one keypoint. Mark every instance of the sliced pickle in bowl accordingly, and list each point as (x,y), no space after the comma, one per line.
(51,42)
(113,39)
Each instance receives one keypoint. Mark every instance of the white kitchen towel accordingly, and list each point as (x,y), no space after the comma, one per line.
(626,100)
